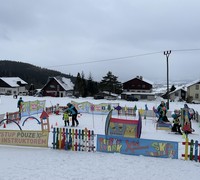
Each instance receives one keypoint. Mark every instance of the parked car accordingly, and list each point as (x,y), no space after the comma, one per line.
(110,98)
(195,102)
(98,97)
(132,98)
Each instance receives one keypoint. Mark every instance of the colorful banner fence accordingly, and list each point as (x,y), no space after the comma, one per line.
(123,127)
(73,139)
(136,146)
(192,150)
(32,107)
(126,111)
(87,107)
(52,109)
(24,138)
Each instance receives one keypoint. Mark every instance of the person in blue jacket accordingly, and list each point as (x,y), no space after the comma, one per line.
(74,113)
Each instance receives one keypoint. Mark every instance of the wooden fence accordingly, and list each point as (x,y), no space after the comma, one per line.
(192,150)
(73,139)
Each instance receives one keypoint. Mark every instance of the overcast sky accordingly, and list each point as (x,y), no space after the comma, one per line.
(56,33)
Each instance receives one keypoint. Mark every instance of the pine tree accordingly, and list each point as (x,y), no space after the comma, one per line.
(92,86)
(77,86)
(173,88)
(84,90)
(111,84)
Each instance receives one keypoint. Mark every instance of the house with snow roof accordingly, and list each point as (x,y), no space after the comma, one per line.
(193,91)
(138,88)
(12,86)
(180,93)
(58,87)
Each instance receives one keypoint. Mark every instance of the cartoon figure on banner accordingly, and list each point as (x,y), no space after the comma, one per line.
(187,116)
(176,122)
(130,131)
(162,111)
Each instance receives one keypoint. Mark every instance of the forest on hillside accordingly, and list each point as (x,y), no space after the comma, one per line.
(29,73)
(38,77)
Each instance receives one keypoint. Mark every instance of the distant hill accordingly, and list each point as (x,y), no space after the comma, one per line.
(29,73)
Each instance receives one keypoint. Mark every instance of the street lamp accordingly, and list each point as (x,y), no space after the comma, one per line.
(167,53)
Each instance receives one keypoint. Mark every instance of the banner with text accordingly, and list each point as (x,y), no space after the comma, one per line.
(136,146)
(24,138)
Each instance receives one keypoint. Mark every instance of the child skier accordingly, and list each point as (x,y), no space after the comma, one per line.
(66,118)
(176,122)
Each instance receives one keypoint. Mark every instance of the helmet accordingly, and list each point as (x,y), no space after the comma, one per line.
(176,111)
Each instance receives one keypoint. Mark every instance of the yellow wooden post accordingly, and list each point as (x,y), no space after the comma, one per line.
(186,148)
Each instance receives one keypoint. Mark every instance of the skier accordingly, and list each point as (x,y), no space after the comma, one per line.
(176,122)
(66,118)
(19,103)
(74,114)
(162,111)
(57,109)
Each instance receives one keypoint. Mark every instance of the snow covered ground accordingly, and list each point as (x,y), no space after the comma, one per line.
(45,163)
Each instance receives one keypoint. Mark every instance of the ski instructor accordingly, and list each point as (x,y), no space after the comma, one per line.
(74,114)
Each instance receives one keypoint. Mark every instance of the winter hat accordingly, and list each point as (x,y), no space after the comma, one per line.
(69,104)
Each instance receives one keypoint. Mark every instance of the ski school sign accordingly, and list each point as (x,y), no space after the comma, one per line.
(136,146)
(24,138)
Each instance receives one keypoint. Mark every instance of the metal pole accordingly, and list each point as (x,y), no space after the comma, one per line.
(167,53)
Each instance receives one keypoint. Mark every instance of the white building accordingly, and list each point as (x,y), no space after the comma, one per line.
(12,86)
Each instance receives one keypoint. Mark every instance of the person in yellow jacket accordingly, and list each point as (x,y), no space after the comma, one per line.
(66,118)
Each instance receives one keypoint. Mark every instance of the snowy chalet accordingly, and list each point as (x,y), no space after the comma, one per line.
(138,89)
(178,94)
(193,91)
(12,86)
(58,87)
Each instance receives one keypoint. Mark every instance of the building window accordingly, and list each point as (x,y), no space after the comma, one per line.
(52,86)
(58,88)
(176,93)
(196,96)
(197,86)
(143,86)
